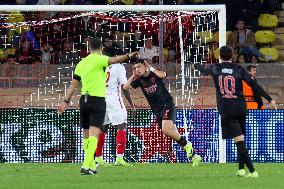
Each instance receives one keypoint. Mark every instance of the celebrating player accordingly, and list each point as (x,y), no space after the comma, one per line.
(161,103)
(91,71)
(231,104)
(116,113)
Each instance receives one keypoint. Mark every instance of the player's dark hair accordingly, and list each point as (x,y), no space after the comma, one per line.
(96,44)
(249,67)
(139,61)
(226,53)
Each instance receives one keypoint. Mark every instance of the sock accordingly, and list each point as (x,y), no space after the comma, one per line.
(89,157)
(241,162)
(99,151)
(242,151)
(182,141)
(85,144)
(120,142)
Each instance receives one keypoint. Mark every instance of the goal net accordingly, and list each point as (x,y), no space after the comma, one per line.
(41,45)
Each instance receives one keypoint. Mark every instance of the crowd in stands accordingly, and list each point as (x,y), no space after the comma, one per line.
(66,41)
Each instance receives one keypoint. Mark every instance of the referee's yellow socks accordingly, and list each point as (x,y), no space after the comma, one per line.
(90,151)
(85,144)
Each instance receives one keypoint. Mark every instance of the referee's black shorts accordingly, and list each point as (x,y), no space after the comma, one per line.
(92,111)
(233,125)
(167,113)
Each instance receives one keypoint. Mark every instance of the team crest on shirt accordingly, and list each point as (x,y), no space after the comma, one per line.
(153,80)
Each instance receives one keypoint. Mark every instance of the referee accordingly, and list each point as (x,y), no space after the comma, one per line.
(91,72)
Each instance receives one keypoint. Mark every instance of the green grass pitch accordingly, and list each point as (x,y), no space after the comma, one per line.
(146,175)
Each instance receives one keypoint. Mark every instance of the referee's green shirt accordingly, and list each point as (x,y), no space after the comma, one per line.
(92,73)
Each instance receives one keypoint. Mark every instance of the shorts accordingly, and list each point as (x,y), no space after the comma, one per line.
(167,113)
(92,111)
(116,113)
(233,126)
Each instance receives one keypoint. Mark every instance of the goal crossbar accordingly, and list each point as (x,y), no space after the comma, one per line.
(104,8)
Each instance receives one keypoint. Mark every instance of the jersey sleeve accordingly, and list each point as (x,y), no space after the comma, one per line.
(122,75)
(104,61)
(257,89)
(136,83)
(77,73)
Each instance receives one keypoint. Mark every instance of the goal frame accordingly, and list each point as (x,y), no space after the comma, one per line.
(220,8)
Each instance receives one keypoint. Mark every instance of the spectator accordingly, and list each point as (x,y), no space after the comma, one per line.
(118,42)
(149,51)
(169,64)
(107,41)
(96,29)
(47,55)
(11,59)
(253,59)
(29,35)
(84,48)
(26,54)
(56,33)
(135,41)
(243,41)
(69,55)
(241,59)
(235,58)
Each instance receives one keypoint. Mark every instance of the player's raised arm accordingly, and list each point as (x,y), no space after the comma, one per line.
(159,73)
(62,106)
(121,58)
(258,89)
(127,84)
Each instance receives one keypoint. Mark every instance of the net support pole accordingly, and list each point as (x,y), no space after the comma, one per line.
(182,75)
(222,42)
(161,37)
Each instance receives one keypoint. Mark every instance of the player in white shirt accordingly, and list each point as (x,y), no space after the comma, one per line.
(116,113)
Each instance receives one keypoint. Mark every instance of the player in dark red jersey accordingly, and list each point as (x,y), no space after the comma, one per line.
(231,104)
(161,103)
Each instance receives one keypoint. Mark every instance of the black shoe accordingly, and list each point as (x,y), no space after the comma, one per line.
(86,172)
(94,171)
